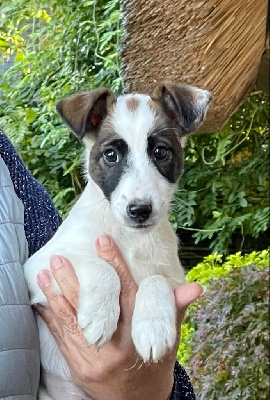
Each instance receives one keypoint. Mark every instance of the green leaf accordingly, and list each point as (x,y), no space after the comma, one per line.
(3,45)
(19,57)
(243,202)
(30,115)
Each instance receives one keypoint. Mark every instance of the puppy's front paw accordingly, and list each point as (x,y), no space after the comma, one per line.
(98,320)
(153,338)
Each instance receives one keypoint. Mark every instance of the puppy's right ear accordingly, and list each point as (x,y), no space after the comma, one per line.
(84,112)
(185,105)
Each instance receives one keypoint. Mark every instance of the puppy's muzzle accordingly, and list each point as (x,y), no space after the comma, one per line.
(139,211)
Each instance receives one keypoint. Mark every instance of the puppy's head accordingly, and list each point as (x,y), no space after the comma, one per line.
(135,147)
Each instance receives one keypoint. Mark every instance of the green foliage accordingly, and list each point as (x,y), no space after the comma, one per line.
(213,267)
(231,344)
(63,46)
(205,273)
(225,187)
(60,47)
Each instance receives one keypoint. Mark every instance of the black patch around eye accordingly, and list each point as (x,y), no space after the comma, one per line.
(170,166)
(161,153)
(107,176)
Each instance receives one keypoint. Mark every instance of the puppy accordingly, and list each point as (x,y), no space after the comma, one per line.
(134,159)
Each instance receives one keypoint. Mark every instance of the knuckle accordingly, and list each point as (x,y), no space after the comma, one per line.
(72,295)
(71,324)
(126,283)
(52,297)
(64,280)
(62,315)
(110,256)
(66,316)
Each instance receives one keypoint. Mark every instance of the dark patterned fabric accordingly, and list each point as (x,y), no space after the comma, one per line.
(182,388)
(42,220)
(40,217)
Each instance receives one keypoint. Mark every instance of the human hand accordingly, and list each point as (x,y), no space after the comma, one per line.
(114,371)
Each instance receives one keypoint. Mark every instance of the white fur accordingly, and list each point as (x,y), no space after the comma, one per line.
(142,181)
(151,254)
(134,126)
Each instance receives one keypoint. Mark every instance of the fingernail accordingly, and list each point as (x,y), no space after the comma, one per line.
(104,241)
(204,290)
(44,278)
(56,262)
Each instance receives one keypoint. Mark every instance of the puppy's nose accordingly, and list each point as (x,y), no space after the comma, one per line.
(139,211)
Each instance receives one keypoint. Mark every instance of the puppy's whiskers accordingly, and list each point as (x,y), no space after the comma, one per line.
(133,366)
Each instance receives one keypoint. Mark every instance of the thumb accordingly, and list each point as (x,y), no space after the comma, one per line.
(108,251)
(185,295)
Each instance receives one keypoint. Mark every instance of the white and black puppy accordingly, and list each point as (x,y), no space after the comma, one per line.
(134,159)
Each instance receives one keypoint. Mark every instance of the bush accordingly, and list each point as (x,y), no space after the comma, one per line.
(230,346)
(211,268)
(225,337)
(223,195)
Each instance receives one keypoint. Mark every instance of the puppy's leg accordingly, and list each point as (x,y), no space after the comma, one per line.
(154,318)
(99,309)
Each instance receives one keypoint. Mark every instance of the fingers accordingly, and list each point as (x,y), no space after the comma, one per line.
(185,295)
(52,323)
(66,278)
(109,252)
(48,316)
(64,313)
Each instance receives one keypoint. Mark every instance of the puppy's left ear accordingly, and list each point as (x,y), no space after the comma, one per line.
(185,105)
(85,112)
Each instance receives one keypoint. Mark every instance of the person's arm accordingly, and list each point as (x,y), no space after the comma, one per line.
(114,371)
(19,341)
(41,219)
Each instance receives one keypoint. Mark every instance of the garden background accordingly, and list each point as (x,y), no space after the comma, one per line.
(221,207)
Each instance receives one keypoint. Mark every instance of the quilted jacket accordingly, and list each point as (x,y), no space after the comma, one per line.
(19,344)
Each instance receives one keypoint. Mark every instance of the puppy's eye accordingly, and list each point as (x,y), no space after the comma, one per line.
(111,156)
(160,152)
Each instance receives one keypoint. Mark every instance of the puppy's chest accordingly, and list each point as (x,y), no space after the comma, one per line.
(147,256)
